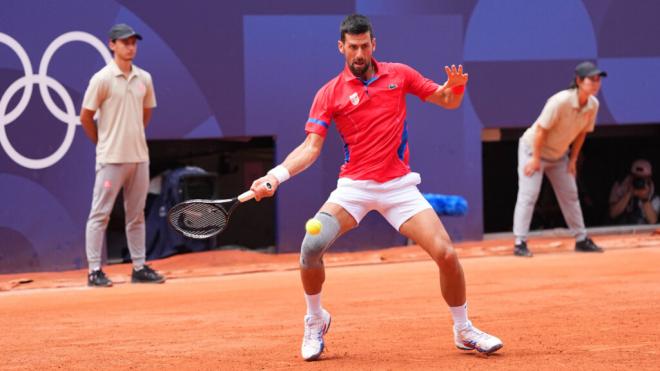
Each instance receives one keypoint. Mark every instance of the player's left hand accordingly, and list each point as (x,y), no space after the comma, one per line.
(455,76)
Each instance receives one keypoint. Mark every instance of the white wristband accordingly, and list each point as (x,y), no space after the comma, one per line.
(280,173)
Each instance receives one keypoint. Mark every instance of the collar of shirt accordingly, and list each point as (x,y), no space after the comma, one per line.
(117,72)
(575,102)
(379,71)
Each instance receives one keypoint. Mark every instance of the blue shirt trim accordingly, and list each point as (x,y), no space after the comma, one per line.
(347,152)
(404,141)
(318,122)
(372,79)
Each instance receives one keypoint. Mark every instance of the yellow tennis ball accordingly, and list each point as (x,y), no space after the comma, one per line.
(313,226)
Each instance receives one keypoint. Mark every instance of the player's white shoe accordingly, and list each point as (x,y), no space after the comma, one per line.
(315,328)
(470,337)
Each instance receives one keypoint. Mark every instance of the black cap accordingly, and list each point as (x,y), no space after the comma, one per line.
(122,31)
(588,69)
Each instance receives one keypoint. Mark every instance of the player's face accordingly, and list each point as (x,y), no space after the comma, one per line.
(358,49)
(590,85)
(124,49)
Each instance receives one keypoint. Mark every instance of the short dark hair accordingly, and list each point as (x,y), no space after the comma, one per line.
(355,24)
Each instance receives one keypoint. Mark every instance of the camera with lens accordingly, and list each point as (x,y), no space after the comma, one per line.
(639,183)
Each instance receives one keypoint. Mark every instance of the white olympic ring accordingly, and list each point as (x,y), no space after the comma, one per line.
(44,81)
(24,82)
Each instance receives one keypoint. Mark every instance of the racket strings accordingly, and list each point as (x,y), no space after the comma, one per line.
(199,220)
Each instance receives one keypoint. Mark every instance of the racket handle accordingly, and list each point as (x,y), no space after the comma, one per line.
(246,196)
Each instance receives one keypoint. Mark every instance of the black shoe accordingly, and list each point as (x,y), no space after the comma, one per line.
(146,275)
(587,245)
(521,249)
(98,279)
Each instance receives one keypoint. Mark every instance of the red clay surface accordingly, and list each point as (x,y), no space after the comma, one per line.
(243,310)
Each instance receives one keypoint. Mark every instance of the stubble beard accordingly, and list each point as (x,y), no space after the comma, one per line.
(360,72)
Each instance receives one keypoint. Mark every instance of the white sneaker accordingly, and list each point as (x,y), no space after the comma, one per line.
(315,328)
(471,337)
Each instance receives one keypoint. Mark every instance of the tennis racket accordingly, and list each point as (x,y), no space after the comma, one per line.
(201,219)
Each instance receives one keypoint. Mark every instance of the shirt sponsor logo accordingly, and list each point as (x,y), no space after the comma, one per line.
(392,86)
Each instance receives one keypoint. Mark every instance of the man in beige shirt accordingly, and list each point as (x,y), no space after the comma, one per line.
(123,95)
(544,149)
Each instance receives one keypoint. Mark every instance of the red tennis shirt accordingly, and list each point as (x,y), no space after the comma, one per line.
(371,118)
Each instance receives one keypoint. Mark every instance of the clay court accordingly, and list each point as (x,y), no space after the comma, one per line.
(243,310)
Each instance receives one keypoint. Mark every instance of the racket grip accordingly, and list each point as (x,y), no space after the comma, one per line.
(246,196)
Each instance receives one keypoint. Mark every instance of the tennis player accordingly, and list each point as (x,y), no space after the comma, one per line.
(367,102)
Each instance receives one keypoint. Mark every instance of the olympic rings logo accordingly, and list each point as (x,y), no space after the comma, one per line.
(44,81)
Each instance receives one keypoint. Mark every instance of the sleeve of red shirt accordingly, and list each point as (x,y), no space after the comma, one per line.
(416,83)
(320,114)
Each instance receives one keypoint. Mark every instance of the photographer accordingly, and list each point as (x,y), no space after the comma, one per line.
(633,201)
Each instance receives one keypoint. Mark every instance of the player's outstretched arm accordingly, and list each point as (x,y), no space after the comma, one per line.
(450,95)
(296,162)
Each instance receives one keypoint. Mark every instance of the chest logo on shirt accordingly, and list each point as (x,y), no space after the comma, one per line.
(392,86)
(355,99)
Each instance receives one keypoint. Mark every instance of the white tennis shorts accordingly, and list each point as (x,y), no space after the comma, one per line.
(397,200)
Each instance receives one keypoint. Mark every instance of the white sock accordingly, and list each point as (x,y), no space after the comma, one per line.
(519,241)
(138,263)
(313,304)
(94,267)
(460,316)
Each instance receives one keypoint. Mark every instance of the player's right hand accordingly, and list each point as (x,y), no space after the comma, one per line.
(261,190)
(532,166)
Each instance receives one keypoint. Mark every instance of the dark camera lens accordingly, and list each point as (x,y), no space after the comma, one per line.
(639,183)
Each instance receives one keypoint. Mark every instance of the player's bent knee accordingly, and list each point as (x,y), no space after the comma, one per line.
(450,257)
(449,263)
(315,245)
(444,253)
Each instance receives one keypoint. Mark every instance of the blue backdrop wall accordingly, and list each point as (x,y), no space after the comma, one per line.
(252,68)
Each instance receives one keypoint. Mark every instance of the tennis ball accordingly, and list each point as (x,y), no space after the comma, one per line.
(313,226)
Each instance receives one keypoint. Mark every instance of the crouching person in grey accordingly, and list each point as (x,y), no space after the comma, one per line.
(123,95)
(551,146)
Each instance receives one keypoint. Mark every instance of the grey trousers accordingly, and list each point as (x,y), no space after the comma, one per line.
(564,185)
(110,178)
